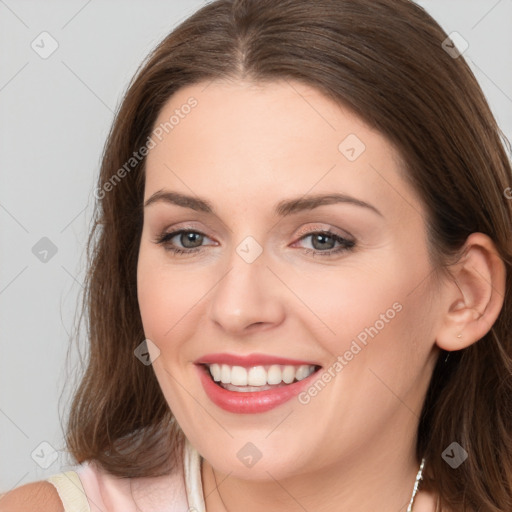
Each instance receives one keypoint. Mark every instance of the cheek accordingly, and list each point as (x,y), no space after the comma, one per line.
(375,309)
(157,296)
(168,299)
(351,301)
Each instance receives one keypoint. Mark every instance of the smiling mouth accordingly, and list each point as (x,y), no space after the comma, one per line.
(257,378)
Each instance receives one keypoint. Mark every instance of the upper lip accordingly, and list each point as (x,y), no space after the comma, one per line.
(250,360)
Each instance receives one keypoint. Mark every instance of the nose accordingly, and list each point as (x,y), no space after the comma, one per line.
(247,298)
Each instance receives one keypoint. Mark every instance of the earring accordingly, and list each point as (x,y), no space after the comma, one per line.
(446,358)
(459,335)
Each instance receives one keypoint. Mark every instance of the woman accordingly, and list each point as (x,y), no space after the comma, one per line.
(299,286)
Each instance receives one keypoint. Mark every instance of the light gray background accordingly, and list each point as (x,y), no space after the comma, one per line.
(55,114)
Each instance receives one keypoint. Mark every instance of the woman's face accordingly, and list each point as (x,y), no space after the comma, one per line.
(263,278)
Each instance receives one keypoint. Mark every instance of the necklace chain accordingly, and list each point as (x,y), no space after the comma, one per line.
(419,476)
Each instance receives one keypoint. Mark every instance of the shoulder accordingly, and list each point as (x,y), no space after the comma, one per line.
(42,496)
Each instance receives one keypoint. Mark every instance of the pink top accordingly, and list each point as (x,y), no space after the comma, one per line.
(91,489)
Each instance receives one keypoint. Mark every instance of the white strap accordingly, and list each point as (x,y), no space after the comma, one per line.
(193,483)
(70,491)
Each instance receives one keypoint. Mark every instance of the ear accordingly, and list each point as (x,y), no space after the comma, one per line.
(475,294)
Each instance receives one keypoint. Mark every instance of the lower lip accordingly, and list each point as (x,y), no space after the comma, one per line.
(250,402)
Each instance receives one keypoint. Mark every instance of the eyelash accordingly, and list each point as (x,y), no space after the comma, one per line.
(346,245)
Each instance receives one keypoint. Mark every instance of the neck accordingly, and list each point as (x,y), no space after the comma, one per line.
(382,481)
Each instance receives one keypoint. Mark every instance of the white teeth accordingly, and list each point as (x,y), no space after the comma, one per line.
(302,372)
(259,375)
(288,374)
(215,371)
(225,374)
(274,374)
(239,376)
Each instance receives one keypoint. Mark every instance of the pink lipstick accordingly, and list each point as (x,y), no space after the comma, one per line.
(231,381)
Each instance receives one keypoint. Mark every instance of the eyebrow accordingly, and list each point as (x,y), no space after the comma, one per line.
(282,209)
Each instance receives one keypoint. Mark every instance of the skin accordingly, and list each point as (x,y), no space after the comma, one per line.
(244,148)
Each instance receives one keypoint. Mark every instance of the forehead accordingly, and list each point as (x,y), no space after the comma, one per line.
(253,119)
(285,137)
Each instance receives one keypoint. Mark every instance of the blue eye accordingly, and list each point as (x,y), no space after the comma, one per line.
(191,242)
(185,237)
(319,238)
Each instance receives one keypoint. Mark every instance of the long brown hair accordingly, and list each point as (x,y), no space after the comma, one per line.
(384,60)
